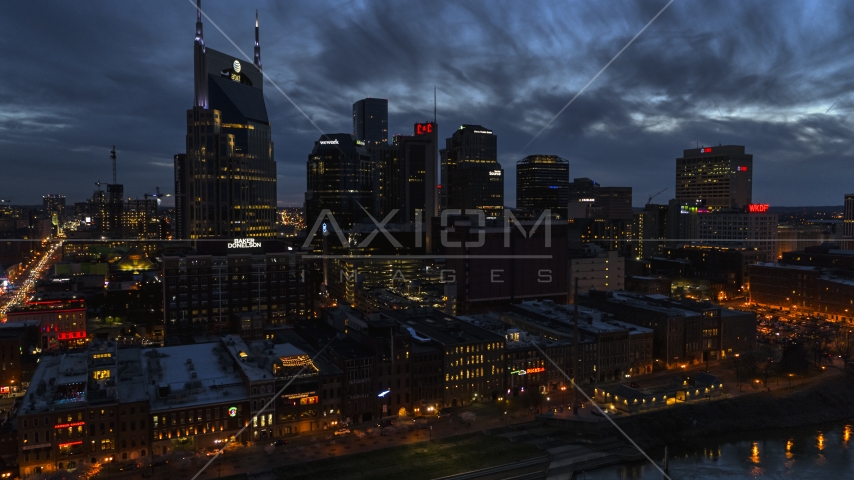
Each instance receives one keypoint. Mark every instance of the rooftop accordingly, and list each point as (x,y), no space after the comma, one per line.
(257,359)
(190,375)
(783,265)
(441,328)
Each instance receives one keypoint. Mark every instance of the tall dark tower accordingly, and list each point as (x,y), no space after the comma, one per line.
(370,121)
(472,178)
(228,176)
(542,183)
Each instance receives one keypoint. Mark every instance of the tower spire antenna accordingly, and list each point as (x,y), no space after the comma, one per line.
(434,103)
(199,36)
(200,75)
(257,45)
(113,158)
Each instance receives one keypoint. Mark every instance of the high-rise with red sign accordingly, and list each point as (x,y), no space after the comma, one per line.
(722,176)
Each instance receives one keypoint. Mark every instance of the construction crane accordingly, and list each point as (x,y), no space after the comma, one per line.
(653,196)
(157,195)
(113,158)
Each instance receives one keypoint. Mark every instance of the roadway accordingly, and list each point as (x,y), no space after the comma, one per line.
(26,280)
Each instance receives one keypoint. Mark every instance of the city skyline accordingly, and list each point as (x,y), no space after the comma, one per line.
(118,77)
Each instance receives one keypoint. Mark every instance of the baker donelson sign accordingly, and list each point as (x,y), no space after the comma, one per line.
(244,243)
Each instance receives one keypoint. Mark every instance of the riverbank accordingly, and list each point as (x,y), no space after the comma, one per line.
(828,400)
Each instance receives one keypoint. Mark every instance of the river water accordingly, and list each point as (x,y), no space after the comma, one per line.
(812,453)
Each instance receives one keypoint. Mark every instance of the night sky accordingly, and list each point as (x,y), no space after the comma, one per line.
(80,77)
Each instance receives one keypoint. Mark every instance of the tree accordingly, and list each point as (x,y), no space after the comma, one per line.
(842,341)
(533,399)
(468,417)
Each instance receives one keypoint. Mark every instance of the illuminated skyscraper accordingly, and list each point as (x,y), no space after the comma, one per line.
(542,183)
(720,176)
(370,121)
(472,178)
(339,177)
(227,180)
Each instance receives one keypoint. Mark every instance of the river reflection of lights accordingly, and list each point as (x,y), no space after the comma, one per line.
(712,453)
(789,444)
(846,435)
(820,440)
(754,453)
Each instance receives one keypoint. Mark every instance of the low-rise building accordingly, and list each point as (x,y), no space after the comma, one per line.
(473,358)
(62,320)
(685,332)
(77,411)
(811,290)
(595,268)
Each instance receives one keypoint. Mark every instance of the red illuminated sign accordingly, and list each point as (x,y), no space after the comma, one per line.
(706,150)
(423,128)
(78,442)
(742,169)
(70,335)
(536,370)
(67,425)
(757,207)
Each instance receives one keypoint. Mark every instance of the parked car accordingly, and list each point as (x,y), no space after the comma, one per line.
(634,385)
(279,443)
(160,462)
(128,467)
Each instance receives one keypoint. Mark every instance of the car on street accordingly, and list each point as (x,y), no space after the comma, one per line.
(279,443)
(634,385)
(128,467)
(342,431)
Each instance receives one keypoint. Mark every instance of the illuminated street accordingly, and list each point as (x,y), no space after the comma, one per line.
(24,283)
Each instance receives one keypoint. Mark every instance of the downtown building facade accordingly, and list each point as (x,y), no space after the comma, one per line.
(471,176)
(237,287)
(721,177)
(684,332)
(111,405)
(542,183)
(745,228)
(340,177)
(62,321)
(370,121)
(588,199)
(406,175)
(818,280)
(225,184)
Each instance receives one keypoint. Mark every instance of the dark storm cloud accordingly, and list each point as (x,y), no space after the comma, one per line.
(79,79)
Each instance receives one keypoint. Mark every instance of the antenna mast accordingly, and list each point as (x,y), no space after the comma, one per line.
(434,103)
